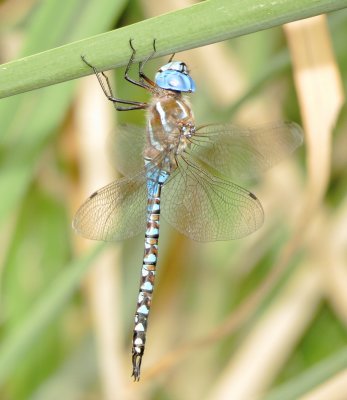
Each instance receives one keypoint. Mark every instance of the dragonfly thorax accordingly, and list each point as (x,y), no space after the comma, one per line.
(170,125)
(175,76)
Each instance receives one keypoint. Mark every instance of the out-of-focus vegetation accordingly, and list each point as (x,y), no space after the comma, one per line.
(267,312)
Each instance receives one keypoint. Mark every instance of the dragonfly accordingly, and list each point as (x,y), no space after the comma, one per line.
(179,170)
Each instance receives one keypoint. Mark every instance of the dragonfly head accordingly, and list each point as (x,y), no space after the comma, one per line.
(175,76)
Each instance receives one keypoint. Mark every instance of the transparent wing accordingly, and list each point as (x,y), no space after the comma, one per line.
(126,146)
(115,212)
(207,208)
(239,152)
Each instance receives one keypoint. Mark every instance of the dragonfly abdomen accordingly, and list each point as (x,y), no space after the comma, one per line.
(148,272)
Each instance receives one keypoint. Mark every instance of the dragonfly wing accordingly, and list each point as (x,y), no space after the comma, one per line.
(115,212)
(205,207)
(126,147)
(238,152)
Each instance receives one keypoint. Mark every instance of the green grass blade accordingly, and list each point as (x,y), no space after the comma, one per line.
(14,346)
(214,20)
(27,122)
(311,378)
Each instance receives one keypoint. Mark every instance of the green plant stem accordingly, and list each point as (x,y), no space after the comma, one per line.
(201,24)
(311,378)
(15,344)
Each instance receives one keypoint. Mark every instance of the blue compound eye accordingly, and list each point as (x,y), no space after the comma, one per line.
(175,76)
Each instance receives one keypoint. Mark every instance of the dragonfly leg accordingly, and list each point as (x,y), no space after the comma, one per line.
(142,76)
(172,56)
(130,108)
(132,105)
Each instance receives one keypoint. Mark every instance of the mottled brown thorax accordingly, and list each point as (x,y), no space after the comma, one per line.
(168,117)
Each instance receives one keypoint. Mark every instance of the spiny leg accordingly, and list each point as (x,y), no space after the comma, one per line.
(132,105)
(172,56)
(142,76)
(142,64)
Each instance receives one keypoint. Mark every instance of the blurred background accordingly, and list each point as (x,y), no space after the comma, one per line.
(259,318)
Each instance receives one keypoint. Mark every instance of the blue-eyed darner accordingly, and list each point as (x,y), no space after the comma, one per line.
(184,167)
